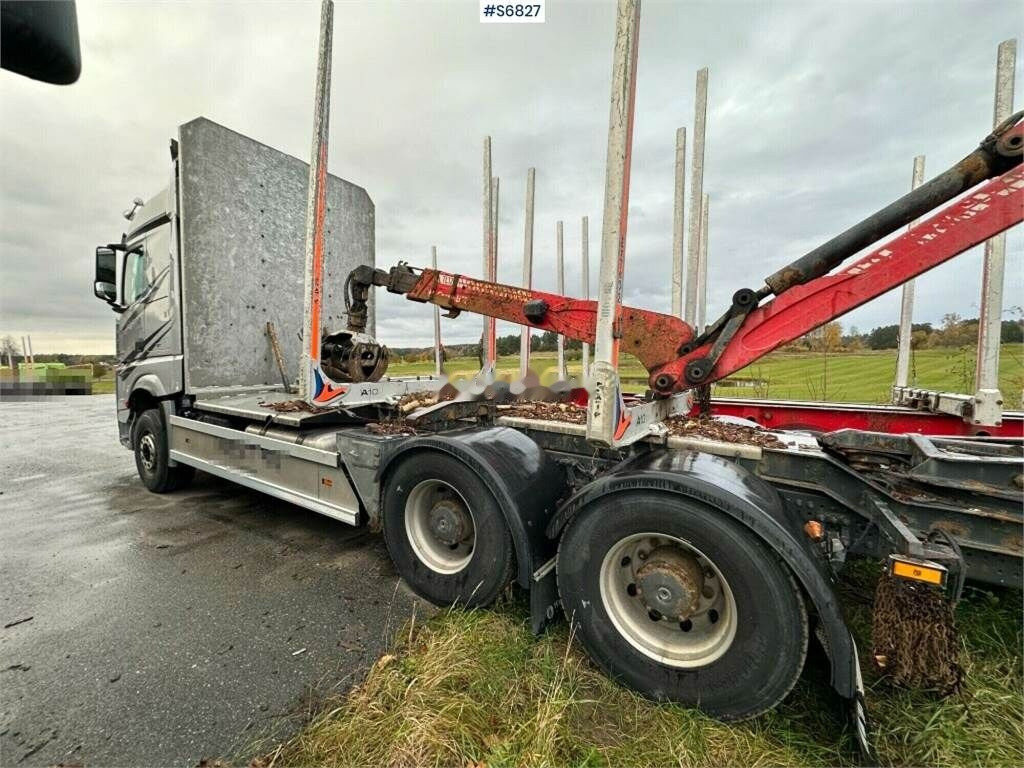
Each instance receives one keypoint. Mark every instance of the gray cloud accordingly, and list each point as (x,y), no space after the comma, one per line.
(816,111)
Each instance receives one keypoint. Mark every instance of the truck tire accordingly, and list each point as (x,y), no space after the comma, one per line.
(682,604)
(445,531)
(149,442)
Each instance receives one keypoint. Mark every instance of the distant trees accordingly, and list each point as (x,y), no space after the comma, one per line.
(953,331)
(956,332)
(832,337)
(884,337)
(8,349)
(546,341)
(508,345)
(1012,332)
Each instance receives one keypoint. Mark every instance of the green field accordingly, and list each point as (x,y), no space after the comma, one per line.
(853,377)
(103,385)
(477,689)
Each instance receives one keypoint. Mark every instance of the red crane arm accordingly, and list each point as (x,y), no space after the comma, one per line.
(990,209)
(652,337)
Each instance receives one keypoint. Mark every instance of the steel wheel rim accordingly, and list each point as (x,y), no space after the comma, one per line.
(147,451)
(696,640)
(440,526)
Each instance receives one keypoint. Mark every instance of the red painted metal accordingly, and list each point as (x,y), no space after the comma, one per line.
(651,337)
(828,417)
(987,210)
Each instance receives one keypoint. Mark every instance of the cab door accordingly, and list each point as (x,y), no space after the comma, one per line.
(148,338)
(154,289)
(131,325)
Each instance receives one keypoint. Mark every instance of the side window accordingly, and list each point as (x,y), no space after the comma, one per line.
(136,279)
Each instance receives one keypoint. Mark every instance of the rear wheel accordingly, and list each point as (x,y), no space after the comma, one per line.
(683,604)
(445,531)
(149,441)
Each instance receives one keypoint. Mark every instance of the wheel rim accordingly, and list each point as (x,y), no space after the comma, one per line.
(440,526)
(147,451)
(668,600)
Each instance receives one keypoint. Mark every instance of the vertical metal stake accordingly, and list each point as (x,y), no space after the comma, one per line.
(585,289)
(311,382)
(702,264)
(492,275)
(438,363)
(988,401)
(604,413)
(696,197)
(488,244)
(907,300)
(679,224)
(560,271)
(524,342)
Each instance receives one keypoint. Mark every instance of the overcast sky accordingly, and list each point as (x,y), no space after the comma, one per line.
(816,111)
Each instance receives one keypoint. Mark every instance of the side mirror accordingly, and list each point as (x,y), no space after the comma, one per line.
(105,285)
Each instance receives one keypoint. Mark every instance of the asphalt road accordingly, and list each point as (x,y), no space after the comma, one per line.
(165,629)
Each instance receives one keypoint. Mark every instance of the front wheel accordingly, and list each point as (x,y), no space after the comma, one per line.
(682,604)
(149,441)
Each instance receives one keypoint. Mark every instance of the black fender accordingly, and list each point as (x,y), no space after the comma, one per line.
(525,482)
(728,487)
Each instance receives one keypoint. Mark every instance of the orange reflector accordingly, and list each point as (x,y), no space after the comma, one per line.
(815,531)
(930,573)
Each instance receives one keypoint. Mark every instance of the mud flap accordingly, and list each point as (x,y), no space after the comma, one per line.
(168,409)
(858,712)
(545,604)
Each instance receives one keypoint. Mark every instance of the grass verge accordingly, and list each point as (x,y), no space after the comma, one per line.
(476,688)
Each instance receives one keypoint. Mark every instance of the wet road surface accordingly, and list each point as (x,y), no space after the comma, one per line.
(167,628)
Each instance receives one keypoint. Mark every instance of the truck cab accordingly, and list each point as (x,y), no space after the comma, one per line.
(138,279)
(210,260)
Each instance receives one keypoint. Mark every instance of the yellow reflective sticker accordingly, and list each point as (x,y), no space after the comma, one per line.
(917,572)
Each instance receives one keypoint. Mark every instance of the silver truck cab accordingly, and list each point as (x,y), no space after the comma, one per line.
(210,260)
(148,338)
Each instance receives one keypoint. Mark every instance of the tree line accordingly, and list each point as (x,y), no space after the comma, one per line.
(953,332)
